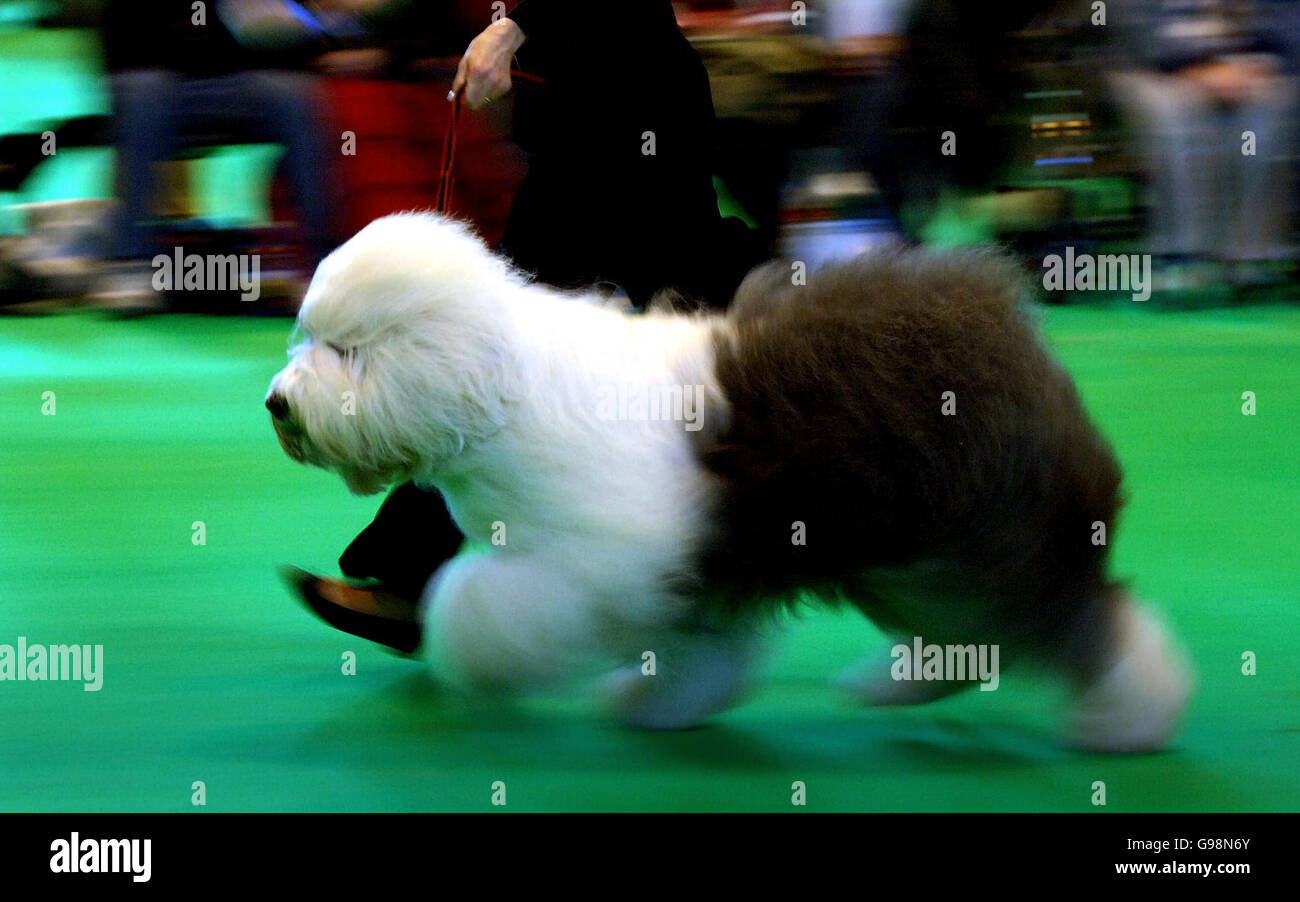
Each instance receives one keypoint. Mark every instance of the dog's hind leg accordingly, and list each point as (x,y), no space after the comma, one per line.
(917,601)
(690,677)
(1133,689)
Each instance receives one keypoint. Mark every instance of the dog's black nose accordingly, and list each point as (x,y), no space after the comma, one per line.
(278,406)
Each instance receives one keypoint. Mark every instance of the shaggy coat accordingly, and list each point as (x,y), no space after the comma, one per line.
(892,434)
(902,408)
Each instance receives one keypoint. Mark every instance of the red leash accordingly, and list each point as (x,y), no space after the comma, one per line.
(443,197)
(442,202)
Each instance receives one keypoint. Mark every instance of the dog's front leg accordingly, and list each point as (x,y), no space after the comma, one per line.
(506,621)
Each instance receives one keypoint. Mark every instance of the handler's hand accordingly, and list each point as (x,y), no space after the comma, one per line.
(484,70)
(1234,81)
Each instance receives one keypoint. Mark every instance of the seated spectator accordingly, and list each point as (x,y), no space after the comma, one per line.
(1214,107)
(175,73)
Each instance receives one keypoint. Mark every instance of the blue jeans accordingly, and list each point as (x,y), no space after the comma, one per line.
(154,110)
(1208,198)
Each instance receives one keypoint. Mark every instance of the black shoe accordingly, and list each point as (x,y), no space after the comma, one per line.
(366,611)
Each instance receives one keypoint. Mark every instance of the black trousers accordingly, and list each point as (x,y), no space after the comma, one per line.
(410,537)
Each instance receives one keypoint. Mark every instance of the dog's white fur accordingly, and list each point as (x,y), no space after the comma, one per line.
(427,358)
(467,377)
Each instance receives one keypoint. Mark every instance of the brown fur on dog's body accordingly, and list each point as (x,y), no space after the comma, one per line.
(976,526)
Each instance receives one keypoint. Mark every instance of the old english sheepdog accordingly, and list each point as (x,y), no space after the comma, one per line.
(638,491)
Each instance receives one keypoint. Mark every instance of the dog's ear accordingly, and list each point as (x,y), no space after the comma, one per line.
(766,287)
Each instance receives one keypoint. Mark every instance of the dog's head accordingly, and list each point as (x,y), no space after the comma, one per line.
(405,358)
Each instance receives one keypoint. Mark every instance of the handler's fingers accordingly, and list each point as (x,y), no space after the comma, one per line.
(476,91)
(484,88)
(459,81)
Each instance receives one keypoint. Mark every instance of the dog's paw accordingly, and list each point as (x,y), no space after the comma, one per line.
(638,701)
(1134,705)
(686,692)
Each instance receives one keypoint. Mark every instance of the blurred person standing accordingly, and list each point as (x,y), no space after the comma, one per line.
(619,190)
(953,74)
(1209,90)
(175,72)
(620,138)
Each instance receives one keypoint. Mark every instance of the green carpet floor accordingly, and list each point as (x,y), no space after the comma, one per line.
(213,673)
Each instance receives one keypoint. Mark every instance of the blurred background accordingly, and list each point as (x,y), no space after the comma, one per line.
(145,502)
(1142,126)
